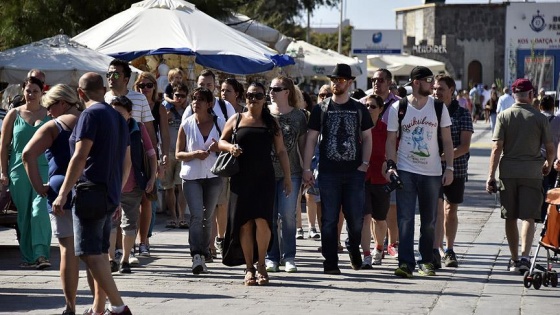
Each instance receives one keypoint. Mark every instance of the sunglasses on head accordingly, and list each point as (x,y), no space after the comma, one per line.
(325,95)
(145,85)
(256,96)
(338,80)
(277,89)
(178,95)
(51,105)
(113,74)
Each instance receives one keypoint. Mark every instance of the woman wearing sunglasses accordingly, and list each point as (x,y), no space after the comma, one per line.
(253,189)
(147,85)
(62,103)
(293,124)
(197,149)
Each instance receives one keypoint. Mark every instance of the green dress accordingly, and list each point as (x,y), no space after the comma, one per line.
(33,218)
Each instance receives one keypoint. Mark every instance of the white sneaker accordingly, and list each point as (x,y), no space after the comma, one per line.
(197,264)
(290,266)
(377,257)
(299,234)
(366,264)
(133,260)
(271,266)
(313,233)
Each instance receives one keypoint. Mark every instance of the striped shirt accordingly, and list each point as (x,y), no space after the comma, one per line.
(141,111)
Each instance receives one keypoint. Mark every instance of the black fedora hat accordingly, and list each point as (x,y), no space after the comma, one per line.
(342,70)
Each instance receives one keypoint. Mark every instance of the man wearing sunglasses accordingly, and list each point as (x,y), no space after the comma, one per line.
(419,168)
(345,150)
(118,77)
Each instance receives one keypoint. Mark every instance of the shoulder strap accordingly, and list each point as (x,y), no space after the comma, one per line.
(439,109)
(551,118)
(403,104)
(215,119)
(223,108)
(234,135)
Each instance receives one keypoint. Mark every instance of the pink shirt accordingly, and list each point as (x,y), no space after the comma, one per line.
(149,148)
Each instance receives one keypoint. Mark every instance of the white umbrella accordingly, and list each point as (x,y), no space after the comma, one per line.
(320,62)
(62,60)
(155,27)
(401,65)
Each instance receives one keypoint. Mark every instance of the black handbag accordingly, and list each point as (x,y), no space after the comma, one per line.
(226,164)
(91,201)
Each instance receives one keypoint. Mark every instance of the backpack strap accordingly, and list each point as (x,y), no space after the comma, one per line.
(439,109)
(223,108)
(403,104)
(215,119)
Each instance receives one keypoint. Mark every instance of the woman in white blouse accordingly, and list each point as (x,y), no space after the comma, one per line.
(197,149)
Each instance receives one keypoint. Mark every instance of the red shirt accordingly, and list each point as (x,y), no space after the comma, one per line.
(374,173)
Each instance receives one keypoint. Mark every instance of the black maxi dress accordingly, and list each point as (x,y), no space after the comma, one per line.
(252,190)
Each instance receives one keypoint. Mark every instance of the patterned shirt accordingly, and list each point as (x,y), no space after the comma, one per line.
(460,121)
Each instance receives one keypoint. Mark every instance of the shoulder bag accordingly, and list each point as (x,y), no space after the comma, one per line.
(226,164)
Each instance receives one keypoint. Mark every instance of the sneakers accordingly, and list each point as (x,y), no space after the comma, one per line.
(125,312)
(118,254)
(403,271)
(524,265)
(313,233)
(355,260)
(450,259)
(198,265)
(125,267)
(289,266)
(367,262)
(143,250)
(377,256)
(133,260)
(219,243)
(271,266)
(42,263)
(426,269)
(437,259)
(299,234)
(393,250)
(114,265)
(513,265)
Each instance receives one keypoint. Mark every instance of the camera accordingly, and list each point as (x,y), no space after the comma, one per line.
(395,183)
(493,187)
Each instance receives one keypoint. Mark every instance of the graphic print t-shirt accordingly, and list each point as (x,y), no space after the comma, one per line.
(340,149)
(418,150)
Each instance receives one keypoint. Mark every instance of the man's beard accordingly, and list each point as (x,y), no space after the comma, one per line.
(426,92)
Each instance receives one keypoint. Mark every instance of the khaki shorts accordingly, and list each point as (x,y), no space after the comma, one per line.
(521,198)
(172,170)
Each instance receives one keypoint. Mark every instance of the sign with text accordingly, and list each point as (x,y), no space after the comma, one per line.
(369,42)
(429,49)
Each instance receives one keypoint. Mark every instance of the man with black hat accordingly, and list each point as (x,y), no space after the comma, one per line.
(345,149)
(416,122)
(519,133)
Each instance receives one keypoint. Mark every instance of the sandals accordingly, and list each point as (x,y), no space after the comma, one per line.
(250,278)
(183,225)
(171,224)
(262,276)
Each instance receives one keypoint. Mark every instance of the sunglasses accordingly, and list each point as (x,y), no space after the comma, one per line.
(338,80)
(277,89)
(380,80)
(372,106)
(256,96)
(177,95)
(427,79)
(51,105)
(145,85)
(113,74)
(325,95)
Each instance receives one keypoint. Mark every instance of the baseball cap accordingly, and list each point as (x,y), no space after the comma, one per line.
(419,72)
(521,85)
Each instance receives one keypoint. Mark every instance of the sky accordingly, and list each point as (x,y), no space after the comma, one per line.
(375,14)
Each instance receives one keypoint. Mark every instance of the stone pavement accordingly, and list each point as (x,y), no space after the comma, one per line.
(163,284)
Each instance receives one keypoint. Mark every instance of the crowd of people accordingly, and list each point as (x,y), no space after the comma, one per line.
(84,165)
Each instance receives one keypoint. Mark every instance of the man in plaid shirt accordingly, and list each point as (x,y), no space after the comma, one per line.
(461,133)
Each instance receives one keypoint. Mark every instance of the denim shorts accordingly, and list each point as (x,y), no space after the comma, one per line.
(91,237)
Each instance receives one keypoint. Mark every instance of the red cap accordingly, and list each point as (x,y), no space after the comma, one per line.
(521,85)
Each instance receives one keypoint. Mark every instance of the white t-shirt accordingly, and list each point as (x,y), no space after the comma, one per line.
(486,94)
(418,150)
(217,110)
(141,111)
(504,102)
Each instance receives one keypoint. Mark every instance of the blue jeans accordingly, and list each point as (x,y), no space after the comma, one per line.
(346,190)
(426,189)
(492,122)
(202,197)
(284,238)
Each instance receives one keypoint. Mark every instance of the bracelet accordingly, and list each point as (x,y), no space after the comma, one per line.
(365,163)
(451,168)
(307,170)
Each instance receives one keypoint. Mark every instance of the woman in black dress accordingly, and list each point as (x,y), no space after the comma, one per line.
(252,189)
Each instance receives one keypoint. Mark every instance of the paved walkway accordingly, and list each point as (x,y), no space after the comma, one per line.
(165,285)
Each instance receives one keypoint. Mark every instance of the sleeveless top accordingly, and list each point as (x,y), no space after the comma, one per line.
(21,134)
(58,154)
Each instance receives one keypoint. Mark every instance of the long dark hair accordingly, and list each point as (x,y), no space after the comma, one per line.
(267,117)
